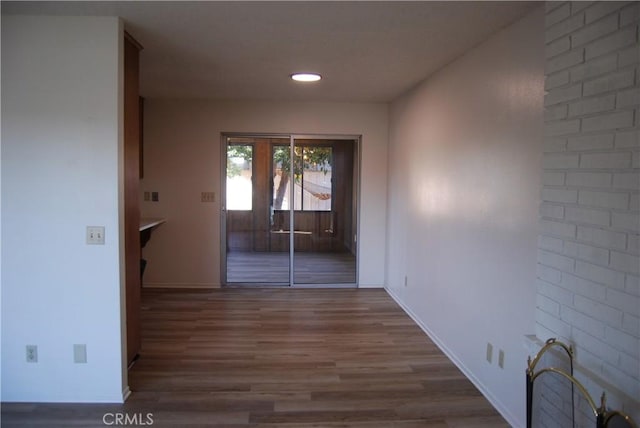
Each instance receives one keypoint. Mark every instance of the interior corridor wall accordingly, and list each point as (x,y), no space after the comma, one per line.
(464,172)
(61,140)
(182,159)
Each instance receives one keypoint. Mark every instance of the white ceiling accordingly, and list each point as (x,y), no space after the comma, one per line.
(365,51)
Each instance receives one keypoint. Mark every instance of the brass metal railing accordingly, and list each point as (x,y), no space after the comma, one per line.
(604,418)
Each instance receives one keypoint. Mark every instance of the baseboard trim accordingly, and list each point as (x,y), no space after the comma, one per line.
(495,402)
(370,285)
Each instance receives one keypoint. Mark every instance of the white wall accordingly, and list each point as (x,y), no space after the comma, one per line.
(464,172)
(60,157)
(182,159)
(589,252)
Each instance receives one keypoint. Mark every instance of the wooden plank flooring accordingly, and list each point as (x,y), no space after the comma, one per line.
(281,358)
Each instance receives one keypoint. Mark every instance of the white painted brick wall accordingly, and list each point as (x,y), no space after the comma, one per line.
(605,238)
(590,105)
(605,160)
(609,82)
(590,142)
(626,220)
(631,324)
(559,195)
(560,161)
(626,180)
(633,285)
(557,47)
(593,68)
(551,211)
(627,140)
(588,260)
(604,199)
(588,216)
(620,39)
(557,79)
(589,179)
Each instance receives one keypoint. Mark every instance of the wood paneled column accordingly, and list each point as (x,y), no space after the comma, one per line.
(131,193)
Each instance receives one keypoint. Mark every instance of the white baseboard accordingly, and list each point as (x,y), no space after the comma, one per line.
(370,285)
(495,402)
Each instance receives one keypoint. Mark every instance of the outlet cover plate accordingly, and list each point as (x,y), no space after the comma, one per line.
(208,197)
(80,353)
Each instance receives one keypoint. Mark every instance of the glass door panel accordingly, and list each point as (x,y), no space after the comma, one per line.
(279,203)
(324,215)
(256,253)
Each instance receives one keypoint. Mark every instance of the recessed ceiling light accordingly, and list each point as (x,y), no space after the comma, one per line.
(306,77)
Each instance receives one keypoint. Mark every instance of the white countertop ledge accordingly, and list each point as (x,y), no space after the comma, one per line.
(148,223)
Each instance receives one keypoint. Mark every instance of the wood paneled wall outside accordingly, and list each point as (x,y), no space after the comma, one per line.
(315,222)
(281,358)
(261,194)
(131,193)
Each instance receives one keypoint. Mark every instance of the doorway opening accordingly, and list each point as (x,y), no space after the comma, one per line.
(290,212)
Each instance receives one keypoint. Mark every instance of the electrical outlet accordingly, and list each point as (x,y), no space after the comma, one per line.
(80,353)
(32,353)
(155,197)
(147,196)
(489,352)
(95,235)
(501,359)
(208,197)
(406,281)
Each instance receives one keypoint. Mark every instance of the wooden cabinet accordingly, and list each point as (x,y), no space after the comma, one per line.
(132,143)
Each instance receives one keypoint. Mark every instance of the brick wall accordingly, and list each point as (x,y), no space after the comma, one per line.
(588,260)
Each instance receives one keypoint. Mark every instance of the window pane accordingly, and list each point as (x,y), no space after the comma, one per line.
(239,184)
(282,179)
(316,179)
(311,178)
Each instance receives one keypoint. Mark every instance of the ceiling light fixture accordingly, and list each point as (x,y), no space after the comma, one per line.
(306,77)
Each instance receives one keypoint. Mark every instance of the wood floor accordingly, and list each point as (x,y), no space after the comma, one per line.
(273,268)
(281,358)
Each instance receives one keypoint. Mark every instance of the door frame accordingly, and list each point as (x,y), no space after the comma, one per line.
(224,137)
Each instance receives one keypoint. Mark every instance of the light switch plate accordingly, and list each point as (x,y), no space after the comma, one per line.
(95,235)
(32,353)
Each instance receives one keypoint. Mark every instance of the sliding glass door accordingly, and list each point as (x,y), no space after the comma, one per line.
(251,256)
(290,213)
